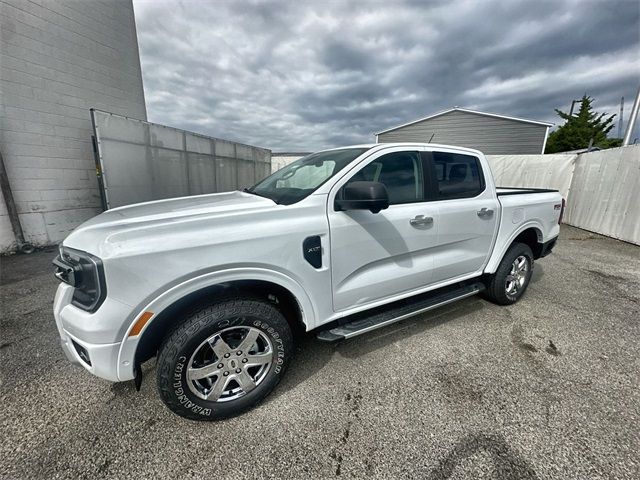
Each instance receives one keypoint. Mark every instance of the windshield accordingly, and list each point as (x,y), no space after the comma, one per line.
(302,177)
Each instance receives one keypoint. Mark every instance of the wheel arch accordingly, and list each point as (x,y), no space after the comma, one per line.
(286,293)
(532,237)
(530,234)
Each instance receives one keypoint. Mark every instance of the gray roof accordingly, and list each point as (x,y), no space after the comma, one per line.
(466,110)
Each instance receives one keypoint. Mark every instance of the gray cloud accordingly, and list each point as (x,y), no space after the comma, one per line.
(309,75)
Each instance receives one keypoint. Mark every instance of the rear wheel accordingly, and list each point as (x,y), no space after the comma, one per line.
(512,277)
(224,359)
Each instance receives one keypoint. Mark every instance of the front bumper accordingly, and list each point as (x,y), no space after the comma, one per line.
(101,359)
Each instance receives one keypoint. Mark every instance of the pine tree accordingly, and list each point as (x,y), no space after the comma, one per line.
(578,130)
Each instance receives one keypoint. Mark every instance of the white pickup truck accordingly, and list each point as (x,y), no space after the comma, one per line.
(342,241)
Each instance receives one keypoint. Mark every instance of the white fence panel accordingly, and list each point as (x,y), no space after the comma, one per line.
(605,193)
(602,188)
(539,171)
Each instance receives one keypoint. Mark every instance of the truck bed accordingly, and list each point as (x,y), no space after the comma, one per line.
(523,208)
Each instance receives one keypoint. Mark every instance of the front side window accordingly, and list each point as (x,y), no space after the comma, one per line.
(457,175)
(401,174)
(302,177)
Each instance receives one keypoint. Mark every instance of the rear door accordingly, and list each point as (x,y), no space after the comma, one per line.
(374,256)
(468,211)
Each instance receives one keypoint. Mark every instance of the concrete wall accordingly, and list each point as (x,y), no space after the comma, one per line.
(490,135)
(57,60)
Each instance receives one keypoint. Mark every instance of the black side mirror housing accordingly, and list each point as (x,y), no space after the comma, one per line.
(371,196)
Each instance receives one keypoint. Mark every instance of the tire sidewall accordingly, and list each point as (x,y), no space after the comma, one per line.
(505,269)
(179,348)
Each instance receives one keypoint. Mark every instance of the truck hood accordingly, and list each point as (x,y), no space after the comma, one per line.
(130,222)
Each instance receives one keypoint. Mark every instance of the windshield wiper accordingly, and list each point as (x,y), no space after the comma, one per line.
(248,190)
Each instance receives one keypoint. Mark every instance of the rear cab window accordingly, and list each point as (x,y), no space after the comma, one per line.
(454,175)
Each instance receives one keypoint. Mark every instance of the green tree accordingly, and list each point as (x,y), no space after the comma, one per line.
(578,130)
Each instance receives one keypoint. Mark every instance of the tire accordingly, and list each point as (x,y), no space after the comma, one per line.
(508,284)
(205,347)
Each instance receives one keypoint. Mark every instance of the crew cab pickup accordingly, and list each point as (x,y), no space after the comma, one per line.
(342,241)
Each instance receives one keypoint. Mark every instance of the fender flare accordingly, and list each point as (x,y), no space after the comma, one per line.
(496,256)
(126,355)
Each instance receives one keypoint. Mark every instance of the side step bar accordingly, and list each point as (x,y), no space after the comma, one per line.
(364,322)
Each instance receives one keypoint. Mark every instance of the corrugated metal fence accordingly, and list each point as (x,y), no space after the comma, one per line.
(141,161)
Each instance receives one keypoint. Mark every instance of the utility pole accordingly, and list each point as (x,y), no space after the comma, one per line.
(621,118)
(632,120)
(572,105)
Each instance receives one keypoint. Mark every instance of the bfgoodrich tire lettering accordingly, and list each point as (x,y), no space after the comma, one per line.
(223,359)
(512,277)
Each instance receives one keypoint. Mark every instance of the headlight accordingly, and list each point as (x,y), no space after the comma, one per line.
(85,273)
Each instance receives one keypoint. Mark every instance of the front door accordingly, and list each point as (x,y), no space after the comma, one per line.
(375,256)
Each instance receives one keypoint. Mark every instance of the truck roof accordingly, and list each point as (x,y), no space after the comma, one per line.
(407,144)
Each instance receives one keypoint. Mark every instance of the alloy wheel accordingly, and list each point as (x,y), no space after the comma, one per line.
(517,277)
(229,364)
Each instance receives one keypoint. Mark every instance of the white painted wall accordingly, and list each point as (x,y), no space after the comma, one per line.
(58,60)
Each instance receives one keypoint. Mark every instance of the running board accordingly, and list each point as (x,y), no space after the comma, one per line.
(364,322)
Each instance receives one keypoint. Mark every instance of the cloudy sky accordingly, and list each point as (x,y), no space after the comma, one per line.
(308,75)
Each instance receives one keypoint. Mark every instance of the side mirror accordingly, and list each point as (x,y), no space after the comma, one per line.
(363,196)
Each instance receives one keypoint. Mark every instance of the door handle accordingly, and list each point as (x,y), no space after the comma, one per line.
(421,221)
(485,213)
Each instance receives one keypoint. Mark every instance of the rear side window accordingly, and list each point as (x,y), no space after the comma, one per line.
(457,175)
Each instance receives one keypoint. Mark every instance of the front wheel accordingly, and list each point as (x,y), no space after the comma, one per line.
(512,277)
(224,359)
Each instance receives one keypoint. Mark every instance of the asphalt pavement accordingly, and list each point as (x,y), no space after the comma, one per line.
(547,388)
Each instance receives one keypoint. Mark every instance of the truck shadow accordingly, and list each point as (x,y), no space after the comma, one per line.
(312,354)
(538,273)
(410,327)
